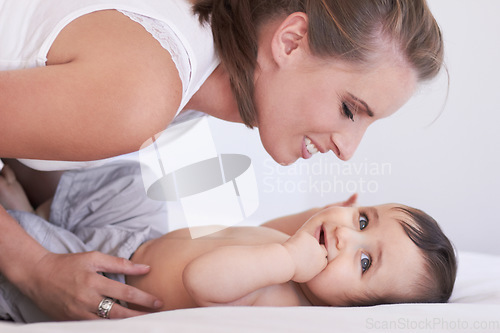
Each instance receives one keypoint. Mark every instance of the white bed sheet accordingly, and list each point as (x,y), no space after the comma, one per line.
(474,307)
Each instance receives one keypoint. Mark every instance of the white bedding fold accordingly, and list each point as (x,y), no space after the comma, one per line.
(475,307)
(385,318)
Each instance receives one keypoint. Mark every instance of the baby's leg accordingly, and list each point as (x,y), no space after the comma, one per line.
(12,195)
(39,186)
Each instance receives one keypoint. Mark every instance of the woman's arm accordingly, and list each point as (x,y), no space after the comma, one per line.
(291,223)
(65,286)
(108,87)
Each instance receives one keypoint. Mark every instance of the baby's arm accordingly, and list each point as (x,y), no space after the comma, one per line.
(291,223)
(236,274)
(229,273)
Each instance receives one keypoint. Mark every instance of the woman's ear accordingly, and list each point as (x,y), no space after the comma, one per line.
(290,38)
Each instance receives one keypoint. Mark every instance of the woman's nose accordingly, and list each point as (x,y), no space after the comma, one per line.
(348,142)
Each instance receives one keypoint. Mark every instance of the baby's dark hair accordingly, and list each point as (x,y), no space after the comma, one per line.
(437,284)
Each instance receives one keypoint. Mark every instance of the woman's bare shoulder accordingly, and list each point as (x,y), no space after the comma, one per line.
(108,86)
(114,44)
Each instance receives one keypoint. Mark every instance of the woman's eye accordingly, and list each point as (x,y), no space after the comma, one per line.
(347,112)
(365,262)
(363,222)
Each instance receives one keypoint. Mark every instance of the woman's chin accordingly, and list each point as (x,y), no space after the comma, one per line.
(280,156)
(284,161)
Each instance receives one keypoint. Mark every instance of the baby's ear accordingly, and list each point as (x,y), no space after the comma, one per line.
(352,201)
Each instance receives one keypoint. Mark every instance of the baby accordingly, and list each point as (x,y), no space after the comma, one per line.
(340,256)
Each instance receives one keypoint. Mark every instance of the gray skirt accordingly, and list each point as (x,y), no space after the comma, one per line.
(101,209)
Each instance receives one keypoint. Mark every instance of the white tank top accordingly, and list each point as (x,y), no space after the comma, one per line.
(29,27)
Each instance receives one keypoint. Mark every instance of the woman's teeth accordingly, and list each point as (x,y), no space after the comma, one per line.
(311,148)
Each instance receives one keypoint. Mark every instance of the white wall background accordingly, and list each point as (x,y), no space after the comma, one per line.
(449,168)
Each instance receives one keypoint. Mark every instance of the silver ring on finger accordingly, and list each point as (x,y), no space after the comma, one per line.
(105,307)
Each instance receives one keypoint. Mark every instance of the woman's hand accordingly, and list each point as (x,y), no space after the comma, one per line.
(69,286)
(309,257)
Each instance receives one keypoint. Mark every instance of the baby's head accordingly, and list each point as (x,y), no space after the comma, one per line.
(440,266)
(382,254)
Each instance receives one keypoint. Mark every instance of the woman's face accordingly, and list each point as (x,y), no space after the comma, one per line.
(308,104)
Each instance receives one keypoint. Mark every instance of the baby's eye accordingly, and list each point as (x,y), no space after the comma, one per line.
(363,222)
(365,262)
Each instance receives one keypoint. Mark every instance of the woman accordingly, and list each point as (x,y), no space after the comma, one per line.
(91,79)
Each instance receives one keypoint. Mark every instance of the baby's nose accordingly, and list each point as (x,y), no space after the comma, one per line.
(345,236)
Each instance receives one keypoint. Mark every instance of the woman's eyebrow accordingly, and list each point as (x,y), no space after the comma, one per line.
(360,101)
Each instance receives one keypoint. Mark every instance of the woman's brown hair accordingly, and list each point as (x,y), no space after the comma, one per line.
(349,30)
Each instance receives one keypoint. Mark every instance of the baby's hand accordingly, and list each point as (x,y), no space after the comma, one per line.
(307,254)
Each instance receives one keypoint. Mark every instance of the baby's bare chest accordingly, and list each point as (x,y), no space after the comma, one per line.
(170,254)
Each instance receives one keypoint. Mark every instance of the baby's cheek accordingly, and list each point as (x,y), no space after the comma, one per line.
(341,269)
(332,285)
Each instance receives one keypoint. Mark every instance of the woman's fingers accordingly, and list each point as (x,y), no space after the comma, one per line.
(110,264)
(120,312)
(129,294)
(76,290)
